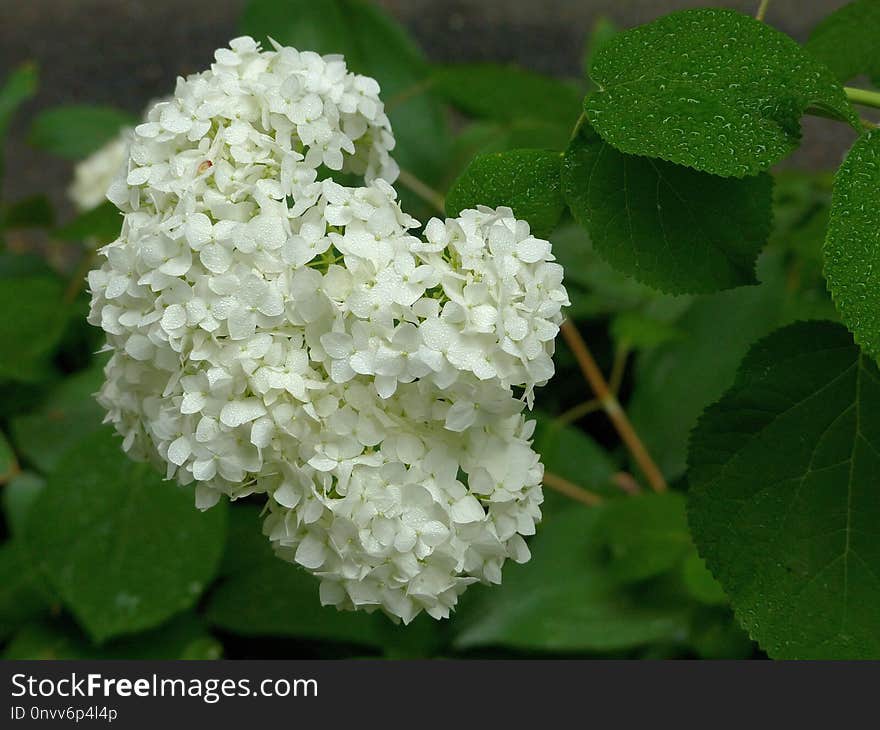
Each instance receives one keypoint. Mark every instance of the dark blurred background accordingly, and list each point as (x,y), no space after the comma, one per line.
(126,52)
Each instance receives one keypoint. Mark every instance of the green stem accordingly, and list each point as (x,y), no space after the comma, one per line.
(78,280)
(863,96)
(573,491)
(612,407)
(577,412)
(762,10)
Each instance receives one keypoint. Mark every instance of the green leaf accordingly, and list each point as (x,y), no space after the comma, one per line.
(563,599)
(711,89)
(714,635)
(17,498)
(183,638)
(801,207)
(102,223)
(490,136)
(640,331)
(784,501)
(18,265)
(846,41)
(646,535)
(69,413)
(508,93)
(483,137)
(699,582)
(678,379)
(376,45)
(21,596)
(852,245)
(19,86)
(595,288)
(28,338)
(8,462)
(525,180)
(668,226)
(74,132)
(124,549)
(570,453)
(262,595)
(32,212)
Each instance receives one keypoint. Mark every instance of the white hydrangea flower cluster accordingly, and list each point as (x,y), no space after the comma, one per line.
(275,333)
(256,125)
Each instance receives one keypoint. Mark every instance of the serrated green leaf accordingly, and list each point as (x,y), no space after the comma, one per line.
(102,224)
(70,412)
(711,89)
(852,244)
(525,180)
(784,500)
(677,380)
(846,41)
(183,638)
(671,227)
(376,45)
(28,338)
(18,496)
(74,132)
(645,535)
(124,549)
(563,599)
(508,93)
(262,595)
(21,596)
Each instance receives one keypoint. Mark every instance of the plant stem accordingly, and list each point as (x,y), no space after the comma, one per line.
(863,96)
(618,368)
(626,482)
(78,280)
(762,10)
(569,489)
(425,192)
(612,407)
(577,412)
